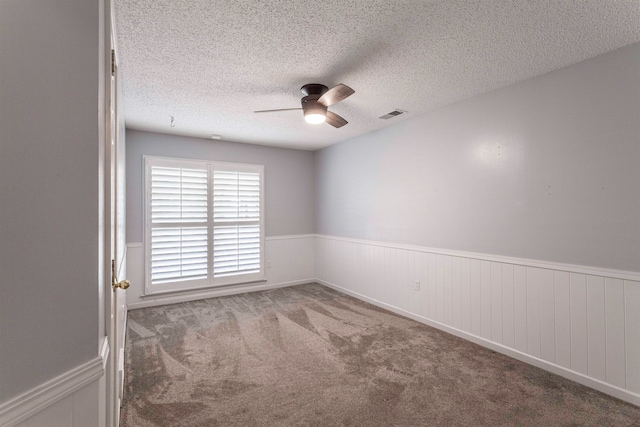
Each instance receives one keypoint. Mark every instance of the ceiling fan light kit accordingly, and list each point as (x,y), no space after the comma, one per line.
(315,118)
(314,112)
(315,102)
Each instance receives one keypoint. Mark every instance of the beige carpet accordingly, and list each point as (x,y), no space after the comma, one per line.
(311,356)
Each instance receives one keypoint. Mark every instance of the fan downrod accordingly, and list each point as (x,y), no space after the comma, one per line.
(313,89)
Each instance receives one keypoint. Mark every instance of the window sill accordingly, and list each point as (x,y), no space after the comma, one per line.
(174,292)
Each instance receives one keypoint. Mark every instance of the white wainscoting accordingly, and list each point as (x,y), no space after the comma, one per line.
(79,409)
(579,322)
(72,399)
(289,260)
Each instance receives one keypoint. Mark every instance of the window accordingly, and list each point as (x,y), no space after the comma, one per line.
(204,223)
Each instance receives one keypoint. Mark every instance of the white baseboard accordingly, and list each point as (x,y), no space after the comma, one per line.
(212,293)
(621,394)
(46,394)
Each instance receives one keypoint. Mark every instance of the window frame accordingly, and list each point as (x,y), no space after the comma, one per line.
(210,281)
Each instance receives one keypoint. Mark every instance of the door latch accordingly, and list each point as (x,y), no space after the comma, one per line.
(115,284)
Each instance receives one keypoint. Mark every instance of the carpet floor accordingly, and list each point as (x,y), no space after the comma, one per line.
(310,356)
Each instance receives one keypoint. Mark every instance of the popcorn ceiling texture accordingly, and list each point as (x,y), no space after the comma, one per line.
(211,64)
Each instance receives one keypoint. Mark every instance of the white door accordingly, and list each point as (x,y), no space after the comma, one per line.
(119,308)
(115,301)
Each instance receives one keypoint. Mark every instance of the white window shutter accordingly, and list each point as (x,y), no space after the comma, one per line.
(236,196)
(179,245)
(178,253)
(236,249)
(178,195)
(237,222)
(204,224)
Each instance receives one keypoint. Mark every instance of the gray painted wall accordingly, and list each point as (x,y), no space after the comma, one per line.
(288,177)
(547,169)
(49,79)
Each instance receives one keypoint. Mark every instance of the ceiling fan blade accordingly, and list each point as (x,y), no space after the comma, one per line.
(336,94)
(335,120)
(281,109)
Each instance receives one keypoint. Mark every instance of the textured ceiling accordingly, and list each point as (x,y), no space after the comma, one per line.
(210,64)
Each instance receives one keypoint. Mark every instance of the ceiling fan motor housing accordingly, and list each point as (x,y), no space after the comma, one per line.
(314,89)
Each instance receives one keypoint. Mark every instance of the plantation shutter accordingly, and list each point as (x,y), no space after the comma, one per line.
(204,224)
(236,223)
(179,240)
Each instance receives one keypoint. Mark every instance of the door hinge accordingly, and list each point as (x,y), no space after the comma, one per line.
(113,62)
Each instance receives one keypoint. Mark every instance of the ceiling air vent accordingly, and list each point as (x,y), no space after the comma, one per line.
(392,114)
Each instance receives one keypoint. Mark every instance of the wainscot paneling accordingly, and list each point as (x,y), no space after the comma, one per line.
(77,410)
(289,260)
(580,322)
(72,399)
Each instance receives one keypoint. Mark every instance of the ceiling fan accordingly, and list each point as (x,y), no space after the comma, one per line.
(317,98)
